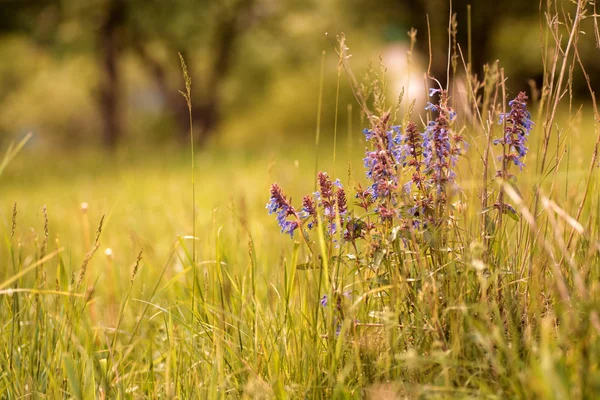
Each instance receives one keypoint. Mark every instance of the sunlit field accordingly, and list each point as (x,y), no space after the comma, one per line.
(444,248)
(248,331)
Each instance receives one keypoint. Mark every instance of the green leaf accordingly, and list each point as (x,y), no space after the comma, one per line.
(378,258)
(381,279)
(394,233)
(73,377)
(490,226)
(430,238)
(513,184)
(306,235)
(306,266)
(511,213)
(310,264)
(90,380)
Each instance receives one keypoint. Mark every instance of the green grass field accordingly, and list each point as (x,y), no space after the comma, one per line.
(152,274)
(251,326)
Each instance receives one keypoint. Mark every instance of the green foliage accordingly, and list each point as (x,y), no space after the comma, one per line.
(506,308)
(253,331)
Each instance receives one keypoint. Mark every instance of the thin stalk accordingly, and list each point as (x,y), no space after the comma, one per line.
(319,109)
(335,122)
(187,95)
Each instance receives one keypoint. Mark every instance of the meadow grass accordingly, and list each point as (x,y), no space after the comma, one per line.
(112,287)
(255,333)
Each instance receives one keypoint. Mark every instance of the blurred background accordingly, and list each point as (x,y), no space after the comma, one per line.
(97,84)
(106,74)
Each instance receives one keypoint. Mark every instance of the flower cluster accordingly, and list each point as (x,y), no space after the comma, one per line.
(330,197)
(309,210)
(282,206)
(429,158)
(404,209)
(382,159)
(441,146)
(518,126)
(413,156)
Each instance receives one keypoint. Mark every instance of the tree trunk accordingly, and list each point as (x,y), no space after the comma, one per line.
(232,21)
(109,51)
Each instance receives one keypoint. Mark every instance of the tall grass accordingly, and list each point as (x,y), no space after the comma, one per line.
(484,302)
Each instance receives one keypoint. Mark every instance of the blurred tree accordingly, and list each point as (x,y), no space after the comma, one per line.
(393,18)
(214,33)
(116,62)
(153,31)
(146,26)
(110,47)
(16,16)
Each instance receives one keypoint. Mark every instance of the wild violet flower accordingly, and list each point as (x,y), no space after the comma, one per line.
(356,229)
(518,126)
(341,201)
(441,146)
(325,299)
(381,160)
(309,211)
(429,158)
(386,213)
(364,197)
(395,143)
(325,193)
(330,198)
(413,151)
(281,205)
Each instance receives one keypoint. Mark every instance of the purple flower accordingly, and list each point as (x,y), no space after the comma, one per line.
(382,159)
(342,202)
(308,206)
(324,300)
(441,146)
(329,199)
(355,229)
(433,91)
(309,211)
(279,204)
(364,196)
(413,147)
(385,213)
(518,126)
(431,107)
